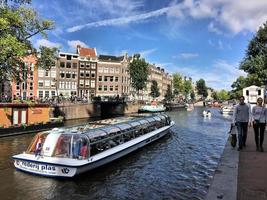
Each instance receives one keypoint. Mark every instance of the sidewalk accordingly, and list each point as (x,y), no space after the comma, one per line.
(252,171)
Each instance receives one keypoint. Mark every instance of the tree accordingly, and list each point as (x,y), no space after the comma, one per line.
(138,69)
(169,95)
(202,88)
(18,24)
(154,89)
(255,60)
(223,95)
(187,87)
(238,85)
(178,84)
(214,95)
(192,95)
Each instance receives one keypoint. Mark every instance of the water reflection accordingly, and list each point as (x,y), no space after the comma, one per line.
(179,166)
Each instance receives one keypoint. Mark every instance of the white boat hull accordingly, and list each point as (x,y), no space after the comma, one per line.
(65,167)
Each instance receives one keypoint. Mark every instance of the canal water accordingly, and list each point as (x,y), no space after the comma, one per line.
(178,166)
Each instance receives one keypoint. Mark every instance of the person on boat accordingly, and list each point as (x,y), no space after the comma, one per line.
(241,118)
(259,116)
(84,150)
(38,147)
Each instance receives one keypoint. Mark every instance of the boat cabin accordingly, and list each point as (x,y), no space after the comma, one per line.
(82,143)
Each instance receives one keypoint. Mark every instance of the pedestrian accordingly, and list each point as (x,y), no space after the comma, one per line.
(241,118)
(259,115)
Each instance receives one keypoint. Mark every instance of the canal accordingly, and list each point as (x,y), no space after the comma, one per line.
(179,166)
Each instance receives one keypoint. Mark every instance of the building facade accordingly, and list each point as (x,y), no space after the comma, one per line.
(26,88)
(67,74)
(112,76)
(87,72)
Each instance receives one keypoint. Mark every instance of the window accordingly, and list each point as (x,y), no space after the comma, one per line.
(92,84)
(68,75)
(62,55)
(47,83)
(116,79)
(62,75)
(117,70)
(74,85)
(46,73)
(74,65)
(111,79)
(100,88)
(93,74)
(81,73)
(53,84)
(100,69)
(18,86)
(105,78)
(53,74)
(41,73)
(100,78)
(87,74)
(68,65)
(31,86)
(81,83)
(68,57)
(41,94)
(62,64)
(88,65)
(93,65)
(111,88)
(81,65)
(87,82)
(105,69)
(111,70)
(67,85)
(75,56)
(53,93)
(73,75)
(116,88)
(61,84)
(46,93)
(40,84)
(105,87)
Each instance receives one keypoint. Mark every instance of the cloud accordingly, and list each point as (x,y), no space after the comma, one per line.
(73,44)
(46,43)
(212,28)
(146,53)
(121,20)
(188,55)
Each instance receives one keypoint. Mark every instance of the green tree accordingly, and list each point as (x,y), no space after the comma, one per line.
(169,95)
(138,69)
(214,95)
(18,24)
(187,86)
(223,95)
(154,89)
(255,60)
(202,88)
(178,83)
(238,85)
(192,95)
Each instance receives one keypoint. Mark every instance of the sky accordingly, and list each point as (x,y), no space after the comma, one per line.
(198,39)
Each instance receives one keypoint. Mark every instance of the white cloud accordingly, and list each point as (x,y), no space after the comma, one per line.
(188,55)
(46,43)
(214,29)
(146,53)
(121,20)
(73,44)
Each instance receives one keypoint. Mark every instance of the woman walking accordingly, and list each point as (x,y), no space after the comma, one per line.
(259,115)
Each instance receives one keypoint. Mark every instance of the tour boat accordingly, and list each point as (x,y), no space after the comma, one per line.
(72,151)
(154,107)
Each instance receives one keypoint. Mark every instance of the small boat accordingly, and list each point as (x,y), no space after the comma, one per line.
(69,152)
(189,107)
(229,110)
(206,113)
(154,107)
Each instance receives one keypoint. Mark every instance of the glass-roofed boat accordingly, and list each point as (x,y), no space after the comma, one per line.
(71,151)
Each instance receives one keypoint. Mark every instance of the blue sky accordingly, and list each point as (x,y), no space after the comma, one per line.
(201,39)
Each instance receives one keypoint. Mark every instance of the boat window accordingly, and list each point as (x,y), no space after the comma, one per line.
(63,146)
(39,138)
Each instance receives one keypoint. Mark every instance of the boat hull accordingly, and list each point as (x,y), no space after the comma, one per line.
(64,168)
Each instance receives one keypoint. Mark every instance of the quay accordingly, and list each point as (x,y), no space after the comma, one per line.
(241,175)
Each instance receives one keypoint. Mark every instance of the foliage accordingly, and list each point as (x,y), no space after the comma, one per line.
(202,88)
(255,60)
(192,95)
(214,95)
(154,89)
(223,95)
(178,83)
(238,85)
(138,69)
(169,95)
(187,86)
(48,57)
(18,24)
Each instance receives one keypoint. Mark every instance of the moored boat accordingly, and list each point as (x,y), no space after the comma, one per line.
(69,152)
(229,110)
(154,107)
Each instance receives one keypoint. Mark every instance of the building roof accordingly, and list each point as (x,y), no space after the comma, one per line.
(87,52)
(110,58)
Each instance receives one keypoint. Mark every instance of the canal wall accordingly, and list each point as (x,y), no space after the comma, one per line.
(91,110)
(224,183)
